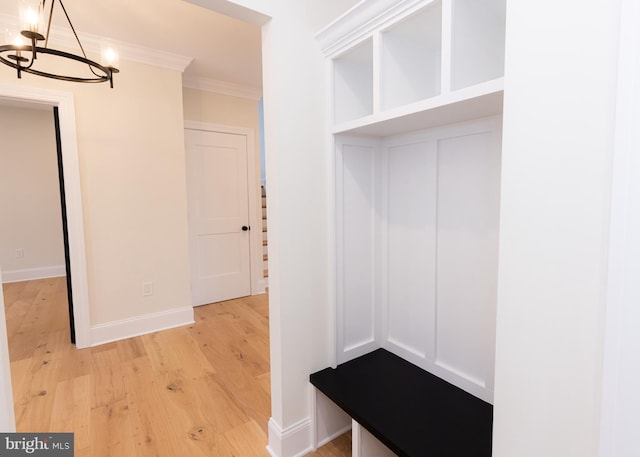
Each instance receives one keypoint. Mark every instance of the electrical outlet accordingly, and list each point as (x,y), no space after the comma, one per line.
(147,289)
(19,253)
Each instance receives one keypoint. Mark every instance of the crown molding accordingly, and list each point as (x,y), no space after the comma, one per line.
(221,87)
(64,38)
(360,21)
(234,10)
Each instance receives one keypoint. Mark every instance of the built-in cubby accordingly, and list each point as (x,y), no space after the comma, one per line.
(477,42)
(423,56)
(417,95)
(411,58)
(353,83)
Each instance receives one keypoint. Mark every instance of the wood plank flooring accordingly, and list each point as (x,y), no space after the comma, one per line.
(199,390)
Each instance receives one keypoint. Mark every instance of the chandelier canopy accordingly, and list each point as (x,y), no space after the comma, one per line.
(24,48)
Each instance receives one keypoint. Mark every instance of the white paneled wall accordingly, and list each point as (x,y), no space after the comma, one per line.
(417,241)
(411,228)
(467,255)
(356,301)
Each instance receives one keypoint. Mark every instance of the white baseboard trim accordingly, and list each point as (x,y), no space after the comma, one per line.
(294,441)
(340,432)
(263,284)
(29,274)
(141,325)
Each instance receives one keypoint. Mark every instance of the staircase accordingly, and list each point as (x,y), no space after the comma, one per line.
(265,249)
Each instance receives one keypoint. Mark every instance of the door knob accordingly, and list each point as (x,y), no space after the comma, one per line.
(245,228)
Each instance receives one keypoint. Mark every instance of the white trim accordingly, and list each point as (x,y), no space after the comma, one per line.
(141,325)
(294,441)
(7,417)
(29,274)
(313,405)
(62,37)
(335,435)
(360,21)
(75,219)
(258,283)
(234,10)
(356,439)
(329,421)
(222,87)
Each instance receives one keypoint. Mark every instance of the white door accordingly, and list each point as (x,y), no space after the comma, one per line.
(218,199)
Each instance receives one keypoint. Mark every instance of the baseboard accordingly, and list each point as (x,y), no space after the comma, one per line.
(263,285)
(335,435)
(29,274)
(141,325)
(294,441)
(331,420)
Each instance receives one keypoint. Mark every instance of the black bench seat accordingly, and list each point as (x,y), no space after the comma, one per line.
(411,411)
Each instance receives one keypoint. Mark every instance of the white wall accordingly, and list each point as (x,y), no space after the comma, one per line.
(297,171)
(132,173)
(556,173)
(214,108)
(620,396)
(29,193)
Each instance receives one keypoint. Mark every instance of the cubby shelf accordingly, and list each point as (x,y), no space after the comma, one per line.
(474,102)
(423,63)
(411,58)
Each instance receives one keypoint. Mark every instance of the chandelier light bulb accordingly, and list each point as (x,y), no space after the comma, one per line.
(30,16)
(18,40)
(110,56)
(15,38)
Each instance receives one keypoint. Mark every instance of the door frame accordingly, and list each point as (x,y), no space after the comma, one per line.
(258,282)
(73,197)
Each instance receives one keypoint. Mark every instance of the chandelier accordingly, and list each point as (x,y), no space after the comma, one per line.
(24,48)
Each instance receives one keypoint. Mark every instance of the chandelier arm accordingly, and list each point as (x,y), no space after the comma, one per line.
(107,76)
(33,54)
(44,2)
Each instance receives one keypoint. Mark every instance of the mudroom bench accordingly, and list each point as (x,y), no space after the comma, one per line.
(412,412)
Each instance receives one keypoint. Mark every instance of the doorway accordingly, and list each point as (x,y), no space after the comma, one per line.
(33,234)
(224,227)
(76,258)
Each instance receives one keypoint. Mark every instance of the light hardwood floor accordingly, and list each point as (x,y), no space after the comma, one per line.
(199,390)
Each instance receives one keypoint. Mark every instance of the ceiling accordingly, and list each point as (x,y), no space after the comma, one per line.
(223,49)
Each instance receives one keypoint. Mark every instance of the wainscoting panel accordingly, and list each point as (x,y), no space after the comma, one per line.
(439,250)
(412,193)
(467,255)
(417,219)
(356,222)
